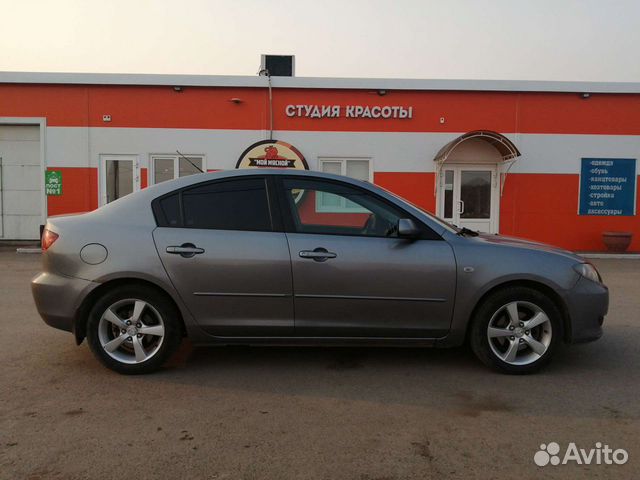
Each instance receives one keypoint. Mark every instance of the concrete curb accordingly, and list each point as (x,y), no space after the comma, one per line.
(29,250)
(616,256)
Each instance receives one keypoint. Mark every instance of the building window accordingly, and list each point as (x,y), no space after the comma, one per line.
(168,167)
(358,168)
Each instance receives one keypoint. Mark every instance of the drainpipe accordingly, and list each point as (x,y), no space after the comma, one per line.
(265,72)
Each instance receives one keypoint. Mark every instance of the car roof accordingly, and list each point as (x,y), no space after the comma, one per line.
(143,197)
(168,186)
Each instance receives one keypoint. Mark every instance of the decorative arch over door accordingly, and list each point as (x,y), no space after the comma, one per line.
(505,148)
(470,174)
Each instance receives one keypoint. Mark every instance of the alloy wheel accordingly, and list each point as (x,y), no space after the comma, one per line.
(131,331)
(519,333)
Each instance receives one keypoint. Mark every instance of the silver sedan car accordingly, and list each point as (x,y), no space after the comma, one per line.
(304,258)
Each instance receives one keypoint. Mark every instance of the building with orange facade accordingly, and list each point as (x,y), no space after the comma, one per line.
(550,161)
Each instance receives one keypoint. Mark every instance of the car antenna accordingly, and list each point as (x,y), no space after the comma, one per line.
(188,160)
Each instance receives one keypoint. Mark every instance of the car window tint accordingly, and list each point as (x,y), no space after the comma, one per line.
(170,207)
(329,208)
(230,205)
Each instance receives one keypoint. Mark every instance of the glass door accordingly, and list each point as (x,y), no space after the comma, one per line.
(469,197)
(475,199)
(448,209)
(120,177)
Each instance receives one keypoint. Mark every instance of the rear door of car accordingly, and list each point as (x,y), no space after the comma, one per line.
(224,250)
(353,276)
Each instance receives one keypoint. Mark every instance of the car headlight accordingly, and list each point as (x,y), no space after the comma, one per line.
(588,271)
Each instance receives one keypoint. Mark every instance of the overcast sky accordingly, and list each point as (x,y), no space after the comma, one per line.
(478,39)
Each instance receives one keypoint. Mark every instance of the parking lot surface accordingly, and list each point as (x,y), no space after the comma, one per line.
(330,413)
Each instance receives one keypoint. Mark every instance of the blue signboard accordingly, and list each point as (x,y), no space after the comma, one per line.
(608,186)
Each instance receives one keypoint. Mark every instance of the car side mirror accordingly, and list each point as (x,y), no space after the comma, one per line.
(407,228)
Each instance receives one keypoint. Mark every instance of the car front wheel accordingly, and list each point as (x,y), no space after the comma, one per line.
(133,329)
(516,330)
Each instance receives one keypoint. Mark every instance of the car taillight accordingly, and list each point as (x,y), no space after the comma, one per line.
(48,237)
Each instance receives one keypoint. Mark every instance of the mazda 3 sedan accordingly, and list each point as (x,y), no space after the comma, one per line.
(304,258)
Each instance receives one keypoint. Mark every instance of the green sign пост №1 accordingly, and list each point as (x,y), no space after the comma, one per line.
(53,183)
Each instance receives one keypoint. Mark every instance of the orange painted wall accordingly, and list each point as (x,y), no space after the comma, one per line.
(211,108)
(144,177)
(417,187)
(79,191)
(540,207)
(544,207)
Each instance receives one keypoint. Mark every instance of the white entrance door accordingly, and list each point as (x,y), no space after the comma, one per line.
(119,177)
(469,196)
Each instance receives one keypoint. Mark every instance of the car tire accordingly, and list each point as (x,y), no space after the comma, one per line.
(134,329)
(516,330)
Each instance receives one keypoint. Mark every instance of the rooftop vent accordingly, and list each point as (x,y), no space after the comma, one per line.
(278,65)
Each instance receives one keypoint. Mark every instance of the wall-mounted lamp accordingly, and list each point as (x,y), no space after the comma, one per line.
(177,89)
(382,93)
(585,95)
(235,100)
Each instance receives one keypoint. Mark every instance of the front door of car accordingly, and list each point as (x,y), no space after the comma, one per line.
(228,263)
(353,276)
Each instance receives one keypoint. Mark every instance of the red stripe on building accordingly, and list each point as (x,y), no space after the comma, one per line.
(79,191)
(540,207)
(211,108)
(544,207)
(416,187)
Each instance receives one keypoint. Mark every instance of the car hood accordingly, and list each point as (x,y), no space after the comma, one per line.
(526,244)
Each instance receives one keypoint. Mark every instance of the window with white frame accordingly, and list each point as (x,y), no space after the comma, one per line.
(168,167)
(358,168)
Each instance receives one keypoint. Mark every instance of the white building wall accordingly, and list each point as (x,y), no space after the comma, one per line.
(390,151)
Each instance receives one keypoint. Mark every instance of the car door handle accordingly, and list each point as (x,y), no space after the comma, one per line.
(186,250)
(317,254)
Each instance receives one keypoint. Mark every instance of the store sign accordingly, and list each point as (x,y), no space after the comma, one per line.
(272,154)
(608,186)
(349,111)
(53,183)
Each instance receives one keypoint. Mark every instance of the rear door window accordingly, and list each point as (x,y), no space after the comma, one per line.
(239,204)
(170,210)
(229,205)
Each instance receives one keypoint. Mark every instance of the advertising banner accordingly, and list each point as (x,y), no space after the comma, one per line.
(608,186)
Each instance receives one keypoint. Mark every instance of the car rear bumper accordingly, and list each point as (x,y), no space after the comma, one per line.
(588,303)
(58,298)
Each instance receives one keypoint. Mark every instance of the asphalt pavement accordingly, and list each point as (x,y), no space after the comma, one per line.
(310,413)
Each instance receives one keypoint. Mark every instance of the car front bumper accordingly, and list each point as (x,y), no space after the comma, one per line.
(58,298)
(588,303)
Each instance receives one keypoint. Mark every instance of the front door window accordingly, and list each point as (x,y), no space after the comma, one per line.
(336,209)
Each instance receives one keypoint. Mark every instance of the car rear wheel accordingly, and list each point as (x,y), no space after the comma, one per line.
(133,329)
(516,330)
